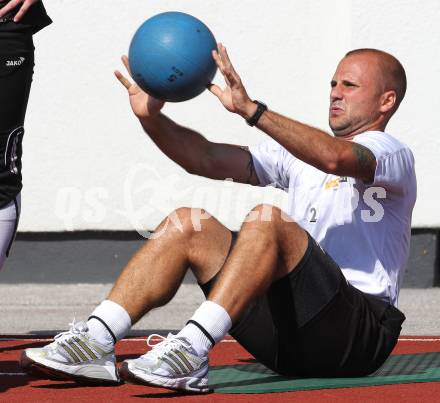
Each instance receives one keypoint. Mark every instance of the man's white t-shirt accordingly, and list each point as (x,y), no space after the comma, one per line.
(365,228)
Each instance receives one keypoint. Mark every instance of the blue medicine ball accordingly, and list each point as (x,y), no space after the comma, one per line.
(170,56)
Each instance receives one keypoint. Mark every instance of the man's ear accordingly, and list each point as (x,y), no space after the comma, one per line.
(387,101)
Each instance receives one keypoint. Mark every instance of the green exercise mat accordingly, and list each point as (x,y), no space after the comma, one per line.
(256,378)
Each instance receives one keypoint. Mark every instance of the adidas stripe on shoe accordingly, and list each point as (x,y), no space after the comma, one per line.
(172,363)
(73,355)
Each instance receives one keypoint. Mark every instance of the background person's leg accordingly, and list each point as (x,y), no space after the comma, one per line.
(16,71)
(9,216)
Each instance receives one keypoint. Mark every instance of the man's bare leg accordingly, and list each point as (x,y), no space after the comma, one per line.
(154,274)
(150,280)
(269,246)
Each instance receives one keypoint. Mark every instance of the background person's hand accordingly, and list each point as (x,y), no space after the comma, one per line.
(234,97)
(143,105)
(25,5)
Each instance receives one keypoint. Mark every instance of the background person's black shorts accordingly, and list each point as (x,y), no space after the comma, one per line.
(16,72)
(313,323)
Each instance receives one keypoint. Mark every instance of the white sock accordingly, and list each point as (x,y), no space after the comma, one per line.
(113,324)
(212,318)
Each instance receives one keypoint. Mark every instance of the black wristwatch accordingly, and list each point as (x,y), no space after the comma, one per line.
(261,108)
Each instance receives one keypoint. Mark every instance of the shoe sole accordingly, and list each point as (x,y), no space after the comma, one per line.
(39,370)
(128,376)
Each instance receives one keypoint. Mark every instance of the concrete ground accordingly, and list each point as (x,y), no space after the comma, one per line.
(45,308)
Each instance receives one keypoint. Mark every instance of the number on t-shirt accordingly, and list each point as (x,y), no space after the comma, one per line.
(313,212)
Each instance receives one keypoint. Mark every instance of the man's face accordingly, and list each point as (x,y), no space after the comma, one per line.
(355,94)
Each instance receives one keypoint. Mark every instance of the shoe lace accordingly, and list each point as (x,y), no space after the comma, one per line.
(75,328)
(165,345)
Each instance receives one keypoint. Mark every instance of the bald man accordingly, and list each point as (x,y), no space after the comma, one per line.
(312,292)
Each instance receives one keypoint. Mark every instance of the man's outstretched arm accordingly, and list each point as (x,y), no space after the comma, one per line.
(313,146)
(325,152)
(199,156)
(189,149)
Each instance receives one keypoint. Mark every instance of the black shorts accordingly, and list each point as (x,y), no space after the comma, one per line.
(313,323)
(16,71)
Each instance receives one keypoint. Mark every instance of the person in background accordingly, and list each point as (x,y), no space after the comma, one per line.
(19,21)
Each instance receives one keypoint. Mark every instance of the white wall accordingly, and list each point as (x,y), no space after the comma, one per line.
(411,31)
(87,163)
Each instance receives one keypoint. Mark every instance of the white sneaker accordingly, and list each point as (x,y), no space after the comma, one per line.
(73,355)
(172,363)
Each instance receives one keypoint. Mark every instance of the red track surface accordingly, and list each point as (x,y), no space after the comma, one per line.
(20,388)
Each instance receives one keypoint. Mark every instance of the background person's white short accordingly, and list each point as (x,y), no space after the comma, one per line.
(9,216)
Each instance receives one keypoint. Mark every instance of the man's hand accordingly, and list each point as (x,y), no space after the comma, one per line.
(144,106)
(234,97)
(25,5)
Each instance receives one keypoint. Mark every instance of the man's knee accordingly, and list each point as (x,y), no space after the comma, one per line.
(188,220)
(267,213)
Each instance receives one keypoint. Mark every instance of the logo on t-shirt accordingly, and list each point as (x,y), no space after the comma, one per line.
(334,183)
